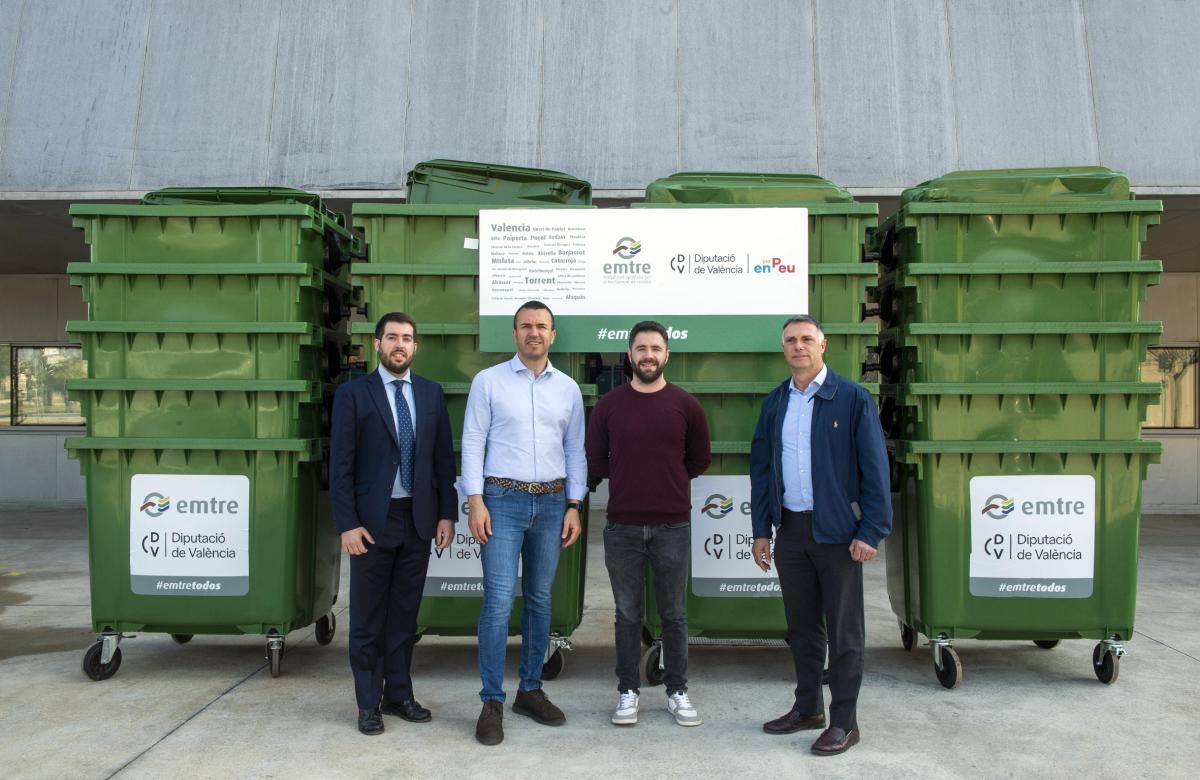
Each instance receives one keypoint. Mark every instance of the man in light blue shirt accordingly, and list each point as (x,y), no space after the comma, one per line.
(797,445)
(525,476)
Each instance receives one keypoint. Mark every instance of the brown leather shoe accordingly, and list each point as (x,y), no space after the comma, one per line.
(793,722)
(490,728)
(834,740)
(534,704)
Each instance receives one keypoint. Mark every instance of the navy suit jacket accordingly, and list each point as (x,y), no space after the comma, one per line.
(365,453)
(851,482)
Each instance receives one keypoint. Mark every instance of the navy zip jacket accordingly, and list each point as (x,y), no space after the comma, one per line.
(851,486)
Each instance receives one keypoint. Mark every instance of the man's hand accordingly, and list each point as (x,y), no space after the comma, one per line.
(761,550)
(572,527)
(479,520)
(444,534)
(861,551)
(355,541)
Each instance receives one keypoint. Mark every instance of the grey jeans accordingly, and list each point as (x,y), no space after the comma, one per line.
(627,550)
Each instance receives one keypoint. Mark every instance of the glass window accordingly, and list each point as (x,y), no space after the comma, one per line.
(39,385)
(1176,368)
(5,386)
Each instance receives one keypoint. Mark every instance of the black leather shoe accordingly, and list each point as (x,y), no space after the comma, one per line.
(793,722)
(370,722)
(409,710)
(534,704)
(490,728)
(834,740)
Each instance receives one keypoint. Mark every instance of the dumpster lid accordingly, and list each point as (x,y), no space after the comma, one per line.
(479,183)
(748,188)
(240,196)
(1023,185)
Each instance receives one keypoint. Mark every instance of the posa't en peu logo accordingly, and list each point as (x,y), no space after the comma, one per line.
(717,506)
(155,504)
(998,507)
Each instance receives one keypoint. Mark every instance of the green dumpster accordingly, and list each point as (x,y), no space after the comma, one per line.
(457,181)
(730,387)
(206,536)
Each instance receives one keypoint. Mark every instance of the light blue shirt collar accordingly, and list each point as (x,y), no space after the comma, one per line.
(814,385)
(388,377)
(517,366)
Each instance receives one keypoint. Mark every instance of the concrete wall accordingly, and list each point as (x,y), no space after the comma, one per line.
(106,96)
(33,464)
(1174,484)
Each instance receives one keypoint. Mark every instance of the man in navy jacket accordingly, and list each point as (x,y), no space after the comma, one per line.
(819,480)
(391,481)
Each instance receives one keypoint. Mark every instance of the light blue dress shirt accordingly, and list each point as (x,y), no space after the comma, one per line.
(389,382)
(523,427)
(797,445)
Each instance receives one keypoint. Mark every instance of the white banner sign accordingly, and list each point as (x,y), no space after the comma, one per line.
(722,564)
(458,569)
(189,535)
(1033,536)
(714,276)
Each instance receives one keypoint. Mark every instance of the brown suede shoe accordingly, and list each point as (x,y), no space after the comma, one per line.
(834,740)
(490,728)
(793,722)
(534,704)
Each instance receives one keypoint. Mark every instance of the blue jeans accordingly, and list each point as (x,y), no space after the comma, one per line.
(527,528)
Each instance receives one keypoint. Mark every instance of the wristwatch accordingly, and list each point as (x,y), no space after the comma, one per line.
(576,505)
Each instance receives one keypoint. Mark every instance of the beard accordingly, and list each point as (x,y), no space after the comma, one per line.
(648,376)
(397,365)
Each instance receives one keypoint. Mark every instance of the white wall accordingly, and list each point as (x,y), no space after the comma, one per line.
(1173,485)
(33,464)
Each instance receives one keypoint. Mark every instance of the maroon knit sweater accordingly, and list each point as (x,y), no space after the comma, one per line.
(648,445)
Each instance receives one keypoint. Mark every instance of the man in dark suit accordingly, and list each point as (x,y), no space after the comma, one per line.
(392,487)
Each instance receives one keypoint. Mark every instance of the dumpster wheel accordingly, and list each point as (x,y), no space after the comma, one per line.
(553,666)
(93,665)
(275,653)
(1047,644)
(908,637)
(1106,662)
(652,666)
(949,670)
(182,639)
(326,628)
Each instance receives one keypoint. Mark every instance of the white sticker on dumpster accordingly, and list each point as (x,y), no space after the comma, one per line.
(1033,536)
(722,564)
(189,535)
(458,569)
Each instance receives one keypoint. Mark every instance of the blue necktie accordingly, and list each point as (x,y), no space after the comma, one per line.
(407,437)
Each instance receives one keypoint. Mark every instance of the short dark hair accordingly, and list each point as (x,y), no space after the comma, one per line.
(394,316)
(533,305)
(648,326)
(804,318)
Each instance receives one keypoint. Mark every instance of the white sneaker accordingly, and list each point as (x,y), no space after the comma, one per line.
(679,705)
(627,709)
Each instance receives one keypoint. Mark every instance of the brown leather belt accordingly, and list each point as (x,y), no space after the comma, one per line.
(533,488)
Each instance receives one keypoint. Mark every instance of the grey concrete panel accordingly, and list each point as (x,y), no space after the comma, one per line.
(10,12)
(922,80)
(1021,84)
(340,94)
(476,82)
(71,115)
(206,97)
(28,466)
(1146,84)
(747,92)
(610,108)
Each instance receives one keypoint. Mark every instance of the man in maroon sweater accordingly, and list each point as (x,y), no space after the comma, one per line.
(649,438)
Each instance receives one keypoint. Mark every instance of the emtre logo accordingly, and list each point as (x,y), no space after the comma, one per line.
(627,247)
(717,506)
(999,507)
(155,504)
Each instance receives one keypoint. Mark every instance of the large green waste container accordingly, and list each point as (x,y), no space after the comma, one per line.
(217,324)
(730,387)
(1013,402)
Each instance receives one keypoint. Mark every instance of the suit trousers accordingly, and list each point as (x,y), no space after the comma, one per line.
(385,594)
(821,580)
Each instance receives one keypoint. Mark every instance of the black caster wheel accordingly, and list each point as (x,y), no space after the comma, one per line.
(1105,663)
(647,637)
(96,670)
(182,639)
(650,668)
(908,637)
(553,665)
(1047,644)
(950,673)
(326,628)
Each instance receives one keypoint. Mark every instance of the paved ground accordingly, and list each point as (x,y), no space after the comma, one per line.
(211,709)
